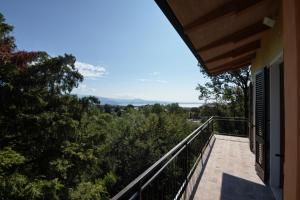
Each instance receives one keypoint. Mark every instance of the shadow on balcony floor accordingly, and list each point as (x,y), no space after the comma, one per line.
(230,173)
(238,188)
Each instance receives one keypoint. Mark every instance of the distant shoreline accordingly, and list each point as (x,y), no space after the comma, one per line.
(142,102)
(183,105)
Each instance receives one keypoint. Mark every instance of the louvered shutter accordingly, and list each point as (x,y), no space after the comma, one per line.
(250,116)
(261,92)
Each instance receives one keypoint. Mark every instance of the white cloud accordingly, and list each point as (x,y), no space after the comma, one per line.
(89,70)
(152,80)
(83,89)
(82,86)
(154,73)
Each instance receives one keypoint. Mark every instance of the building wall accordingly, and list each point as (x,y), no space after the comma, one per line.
(271,49)
(286,35)
(270,55)
(271,45)
(291,37)
(275,128)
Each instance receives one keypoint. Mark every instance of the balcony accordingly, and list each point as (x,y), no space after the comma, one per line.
(213,162)
(230,173)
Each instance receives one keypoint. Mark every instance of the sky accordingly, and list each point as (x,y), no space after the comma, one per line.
(124,48)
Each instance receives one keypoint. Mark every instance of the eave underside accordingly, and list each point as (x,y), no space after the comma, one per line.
(224,35)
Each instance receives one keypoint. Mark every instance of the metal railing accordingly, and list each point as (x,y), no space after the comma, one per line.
(234,126)
(168,177)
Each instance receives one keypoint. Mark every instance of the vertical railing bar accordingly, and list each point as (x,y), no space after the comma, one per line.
(169,176)
(140,191)
(187,162)
(212,126)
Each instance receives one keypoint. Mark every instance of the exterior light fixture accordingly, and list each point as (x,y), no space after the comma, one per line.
(269,22)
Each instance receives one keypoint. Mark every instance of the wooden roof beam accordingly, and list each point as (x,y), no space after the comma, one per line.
(237,36)
(224,68)
(233,6)
(219,71)
(237,52)
(237,62)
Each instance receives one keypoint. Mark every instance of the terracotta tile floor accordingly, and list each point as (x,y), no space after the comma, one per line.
(230,173)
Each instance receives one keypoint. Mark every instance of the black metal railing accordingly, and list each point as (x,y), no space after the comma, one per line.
(168,177)
(233,126)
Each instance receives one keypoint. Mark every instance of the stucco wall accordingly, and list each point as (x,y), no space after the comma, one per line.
(271,45)
(275,144)
(291,11)
(270,55)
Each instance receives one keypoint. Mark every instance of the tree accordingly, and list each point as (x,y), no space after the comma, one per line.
(107,108)
(52,145)
(174,108)
(230,87)
(55,145)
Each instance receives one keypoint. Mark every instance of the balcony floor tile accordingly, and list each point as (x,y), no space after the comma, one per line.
(230,173)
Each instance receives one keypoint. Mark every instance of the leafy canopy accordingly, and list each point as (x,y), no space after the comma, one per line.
(230,88)
(54,145)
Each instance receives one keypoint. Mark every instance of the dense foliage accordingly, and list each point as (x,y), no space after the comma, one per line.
(229,91)
(54,145)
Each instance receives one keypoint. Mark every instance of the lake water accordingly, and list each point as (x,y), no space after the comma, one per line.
(190,105)
(183,105)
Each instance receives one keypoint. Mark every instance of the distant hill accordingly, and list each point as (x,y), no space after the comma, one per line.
(124,102)
(115,101)
(140,102)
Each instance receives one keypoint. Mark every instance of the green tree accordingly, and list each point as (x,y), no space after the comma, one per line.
(52,143)
(174,108)
(230,88)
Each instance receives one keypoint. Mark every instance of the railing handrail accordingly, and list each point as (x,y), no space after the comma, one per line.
(138,182)
(234,118)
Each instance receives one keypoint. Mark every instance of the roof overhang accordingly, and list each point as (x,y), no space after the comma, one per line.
(223,35)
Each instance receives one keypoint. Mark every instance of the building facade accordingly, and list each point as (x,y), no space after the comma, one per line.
(265,34)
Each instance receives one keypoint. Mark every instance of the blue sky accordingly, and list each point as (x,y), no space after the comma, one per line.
(124,48)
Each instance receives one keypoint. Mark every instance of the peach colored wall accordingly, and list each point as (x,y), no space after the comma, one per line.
(291,37)
(271,45)
(286,35)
